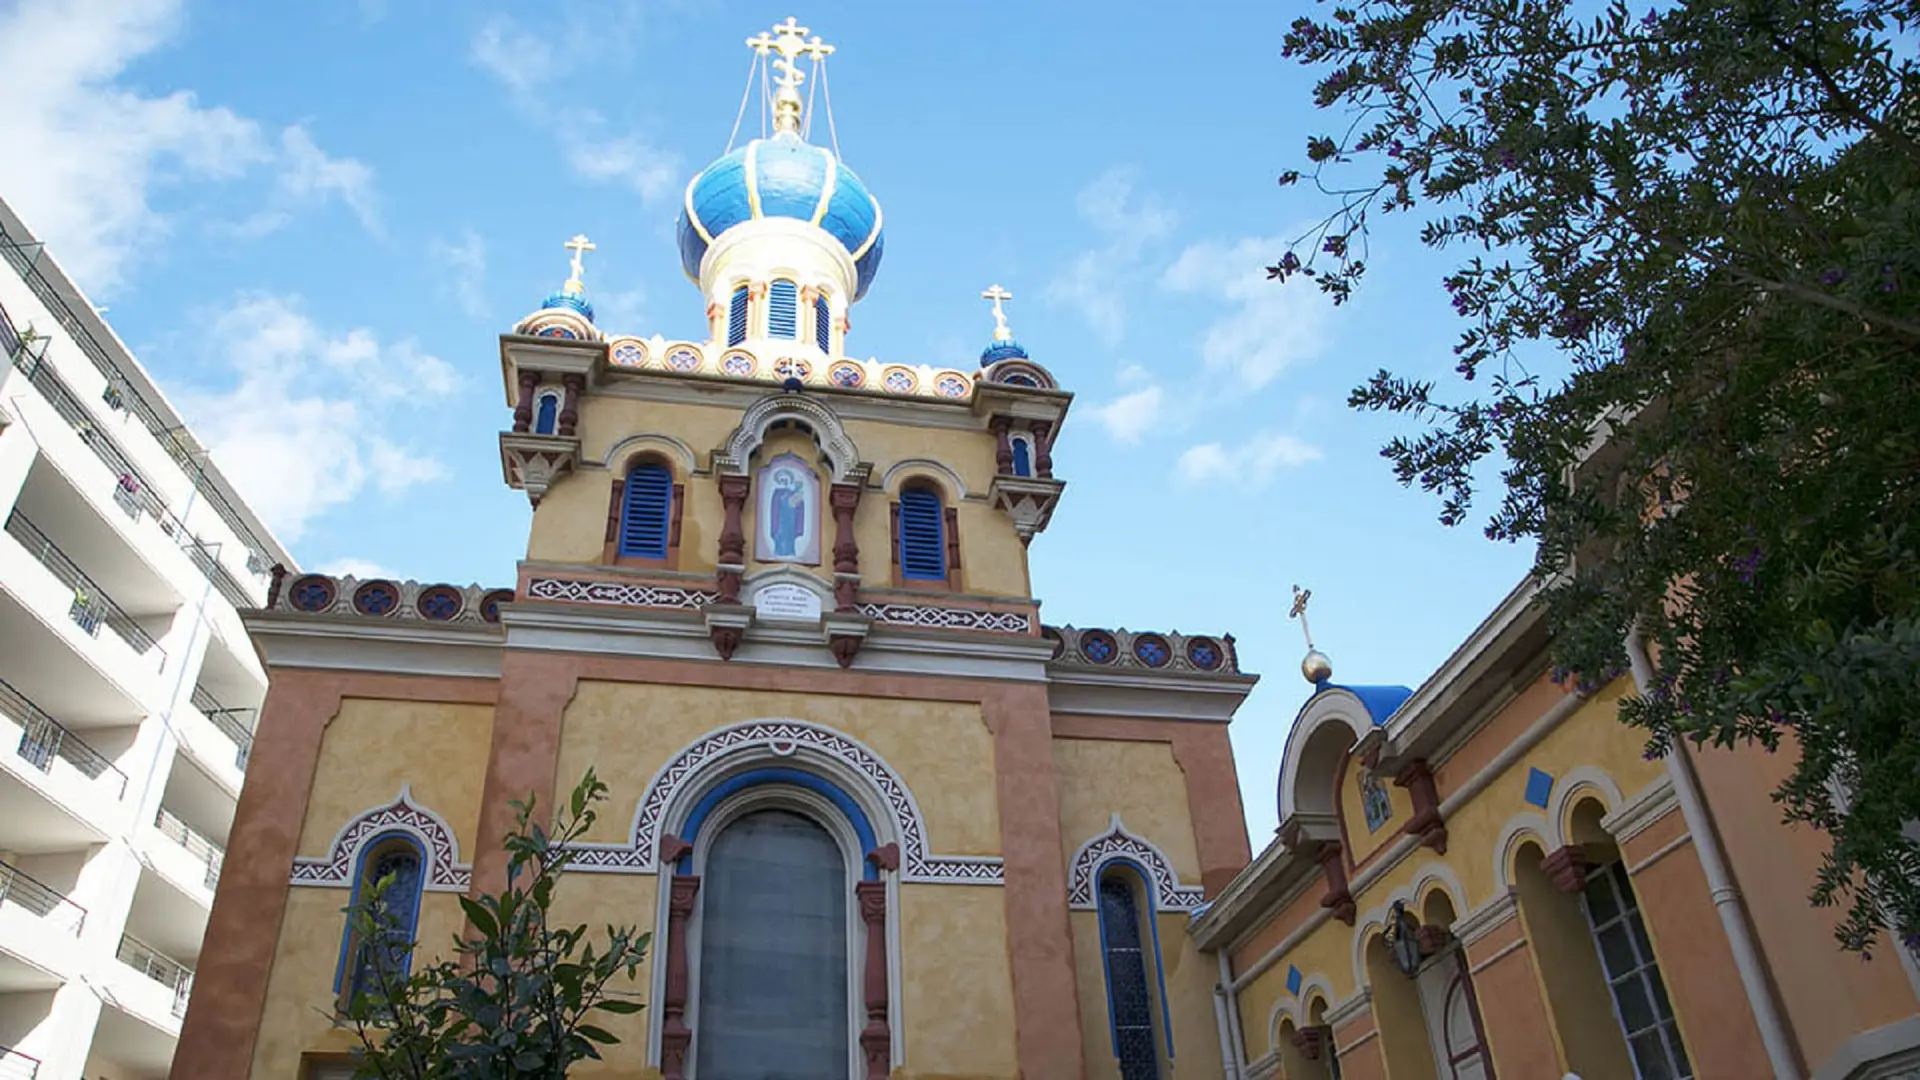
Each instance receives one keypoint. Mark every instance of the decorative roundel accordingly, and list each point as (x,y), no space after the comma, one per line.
(847,376)
(441,602)
(314,592)
(900,381)
(1098,646)
(1059,646)
(490,604)
(793,367)
(376,598)
(738,364)
(630,354)
(558,332)
(1021,378)
(1152,650)
(950,385)
(683,359)
(1205,653)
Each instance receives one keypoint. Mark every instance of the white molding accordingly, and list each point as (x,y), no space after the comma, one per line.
(1433,872)
(1164,892)
(1334,703)
(1574,782)
(667,444)
(1264,1067)
(1421,709)
(733,455)
(1635,815)
(400,648)
(1359,1001)
(1092,692)
(1891,1052)
(714,391)
(1499,909)
(444,870)
(907,468)
(1521,827)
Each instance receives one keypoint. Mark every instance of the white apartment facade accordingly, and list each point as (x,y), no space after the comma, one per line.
(128,688)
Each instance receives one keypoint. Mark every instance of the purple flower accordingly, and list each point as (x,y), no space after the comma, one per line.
(1832,275)
(1290,263)
(1396,148)
(1507,159)
(1747,566)
(1650,21)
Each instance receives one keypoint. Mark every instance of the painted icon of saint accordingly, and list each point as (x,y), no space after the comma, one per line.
(788,524)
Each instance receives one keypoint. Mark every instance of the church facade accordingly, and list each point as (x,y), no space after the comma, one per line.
(777,597)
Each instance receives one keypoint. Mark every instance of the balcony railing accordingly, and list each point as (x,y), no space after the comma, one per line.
(15,1065)
(196,842)
(170,435)
(42,739)
(159,967)
(22,889)
(91,607)
(235,724)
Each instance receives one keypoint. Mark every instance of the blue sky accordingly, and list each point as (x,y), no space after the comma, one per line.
(312,220)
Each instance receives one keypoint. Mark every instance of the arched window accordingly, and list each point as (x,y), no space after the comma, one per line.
(737,316)
(923,536)
(388,955)
(1633,975)
(547,415)
(646,509)
(783,310)
(823,325)
(1132,966)
(774,974)
(1022,456)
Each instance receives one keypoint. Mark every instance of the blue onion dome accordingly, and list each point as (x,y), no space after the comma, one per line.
(782,177)
(565,314)
(1002,350)
(571,297)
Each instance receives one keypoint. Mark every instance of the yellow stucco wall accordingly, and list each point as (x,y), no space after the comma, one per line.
(570,523)
(598,901)
(956,983)
(941,750)
(1591,738)
(372,748)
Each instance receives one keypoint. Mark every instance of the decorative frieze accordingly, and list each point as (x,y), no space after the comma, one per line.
(1117,844)
(384,599)
(621,594)
(445,871)
(934,617)
(1143,651)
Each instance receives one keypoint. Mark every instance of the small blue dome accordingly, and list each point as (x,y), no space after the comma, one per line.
(569,300)
(1002,350)
(782,177)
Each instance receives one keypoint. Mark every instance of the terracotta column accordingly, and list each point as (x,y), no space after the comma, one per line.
(1518,1029)
(845,498)
(675,1035)
(523,408)
(1567,868)
(570,406)
(876,1039)
(533,698)
(1339,899)
(1043,449)
(1002,446)
(1426,822)
(733,538)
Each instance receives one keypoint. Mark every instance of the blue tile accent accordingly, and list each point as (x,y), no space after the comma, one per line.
(1293,979)
(1539,786)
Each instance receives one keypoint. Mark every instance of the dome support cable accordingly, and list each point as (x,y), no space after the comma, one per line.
(746,92)
(826,93)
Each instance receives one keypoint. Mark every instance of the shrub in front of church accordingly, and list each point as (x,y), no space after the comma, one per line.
(515,999)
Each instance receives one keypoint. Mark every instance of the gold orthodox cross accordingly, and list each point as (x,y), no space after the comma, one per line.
(789,40)
(996,294)
(1299,611)
(579,245)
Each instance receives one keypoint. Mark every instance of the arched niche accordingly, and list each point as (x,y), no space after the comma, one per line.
(799,411)
(1330,725)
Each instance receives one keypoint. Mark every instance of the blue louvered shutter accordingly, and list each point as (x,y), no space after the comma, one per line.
(923,542)
(646,511)
(822,325)
(549,407)
(783,310)
(737,316)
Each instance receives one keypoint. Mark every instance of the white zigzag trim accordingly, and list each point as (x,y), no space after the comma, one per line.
(621,593)
(445,871)
(1117,843)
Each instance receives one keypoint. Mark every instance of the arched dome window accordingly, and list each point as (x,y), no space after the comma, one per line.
(646,511)
(823,325)
(547,416)
(774,975)
(737,316)
(783,310)
(369,963)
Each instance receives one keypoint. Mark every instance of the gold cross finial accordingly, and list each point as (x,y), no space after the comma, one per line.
(579,245)
(787,44)
(996,294)
(1299,611)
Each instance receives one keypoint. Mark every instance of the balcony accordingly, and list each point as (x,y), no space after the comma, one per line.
(47,745)
(195,843)
(235,723)
(39,932)
(91,608)
(15,1065)
(161,968)
(43,901)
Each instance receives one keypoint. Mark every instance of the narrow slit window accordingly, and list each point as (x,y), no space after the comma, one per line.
(1022,458)
(923,539)
(548,415)
(386,957)
(737,316)
(1129,1000)
(646,511)
(783,310)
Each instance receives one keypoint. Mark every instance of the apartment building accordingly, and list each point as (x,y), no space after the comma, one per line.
(128,688)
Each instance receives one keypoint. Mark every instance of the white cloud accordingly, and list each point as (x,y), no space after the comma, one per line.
(527,66)
(308,173)
(86,155)
(1094,283)
(306,425)
(1128,417)
(1268,327)
(465,266)
(1255,461)
(356,568)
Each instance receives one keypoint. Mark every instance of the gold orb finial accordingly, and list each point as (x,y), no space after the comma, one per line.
(1314,666)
